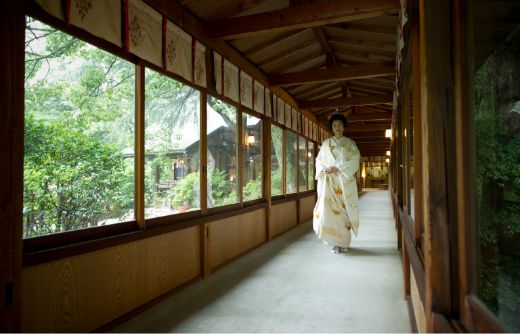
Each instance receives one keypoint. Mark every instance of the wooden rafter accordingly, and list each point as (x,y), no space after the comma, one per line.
(300,17)
(333,74)
(330,59)
(345,102)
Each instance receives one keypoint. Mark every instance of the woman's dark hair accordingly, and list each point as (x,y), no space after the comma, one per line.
(337,117)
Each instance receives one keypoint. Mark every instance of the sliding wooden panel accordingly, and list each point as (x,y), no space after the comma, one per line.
(306,208)
(84,292)
(230,237)
(283,217)
(418,306)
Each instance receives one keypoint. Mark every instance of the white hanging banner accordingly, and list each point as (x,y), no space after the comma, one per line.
(178,51)
(217,70)
(231,81)
(199,64)
(100,18)
(268,103)
(258,97)
(52,7)
(295,120)
(246,90)
(144,31)
(280,111)
(288,115)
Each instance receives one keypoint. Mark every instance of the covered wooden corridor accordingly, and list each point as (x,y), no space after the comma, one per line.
(167,148)
(295,284)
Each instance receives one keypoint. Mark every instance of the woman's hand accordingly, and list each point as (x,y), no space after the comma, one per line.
(330,170)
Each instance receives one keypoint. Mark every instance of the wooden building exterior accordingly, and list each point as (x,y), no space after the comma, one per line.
(403,65)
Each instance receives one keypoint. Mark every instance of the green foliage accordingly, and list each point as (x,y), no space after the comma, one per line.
(223,191)
(186,191)
(253,189)
(71,180)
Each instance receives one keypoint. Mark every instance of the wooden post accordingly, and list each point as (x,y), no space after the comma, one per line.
(468,246)
(240,154)
(203,167)
(266,178)
(438,154)
(12,26)
(417,117)
(139,144)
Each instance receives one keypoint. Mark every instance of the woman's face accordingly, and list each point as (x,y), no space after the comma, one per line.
(337,127)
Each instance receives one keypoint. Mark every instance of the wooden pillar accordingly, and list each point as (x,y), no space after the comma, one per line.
(12,25)
(438,155)
(266,175)
(203,149)
(139,144)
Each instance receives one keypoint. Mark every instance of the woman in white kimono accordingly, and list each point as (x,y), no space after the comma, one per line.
(336,211)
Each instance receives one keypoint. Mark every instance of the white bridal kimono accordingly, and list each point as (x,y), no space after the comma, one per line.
(336,210)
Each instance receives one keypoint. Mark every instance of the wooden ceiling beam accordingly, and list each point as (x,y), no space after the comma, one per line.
(333,74)
(299,17)
(346,102)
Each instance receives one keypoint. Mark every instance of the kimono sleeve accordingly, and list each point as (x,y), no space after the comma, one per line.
(319,161)
(350,163)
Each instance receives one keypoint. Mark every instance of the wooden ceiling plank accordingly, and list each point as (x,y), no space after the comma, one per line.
(389,47)
(360,117)
(299,17)
(333,74)
(232,8)
(288,53)
(345,102)
(309,62)
(269,43)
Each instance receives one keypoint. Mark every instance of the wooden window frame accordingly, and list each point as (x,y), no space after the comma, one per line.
(262,150)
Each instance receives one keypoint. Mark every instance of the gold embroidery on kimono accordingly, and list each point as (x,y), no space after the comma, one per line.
(336,210)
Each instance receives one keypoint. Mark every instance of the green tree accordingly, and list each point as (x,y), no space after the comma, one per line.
(71,180)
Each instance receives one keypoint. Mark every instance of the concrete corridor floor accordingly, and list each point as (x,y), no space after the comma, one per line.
(296,284)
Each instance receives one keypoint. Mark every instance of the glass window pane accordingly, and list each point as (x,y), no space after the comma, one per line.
(252,157)
(172,137)
(79,134)
(497,116)
(312,171)
(276,160)
(291,162)
(302,164)
(222,153)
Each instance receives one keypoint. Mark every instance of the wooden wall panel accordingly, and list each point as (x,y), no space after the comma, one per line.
(306,207)
(233,236)
(84,292)
(283,217)
(418,307)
